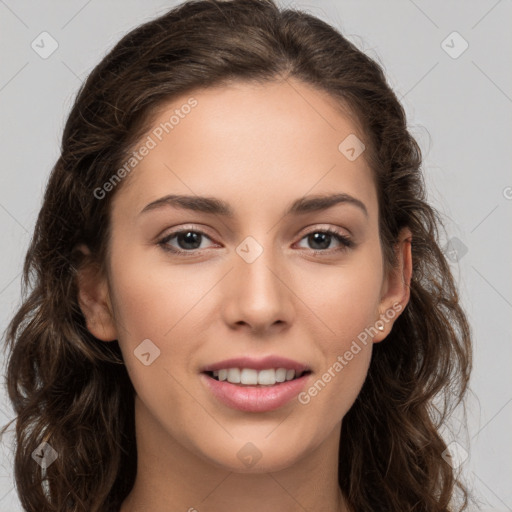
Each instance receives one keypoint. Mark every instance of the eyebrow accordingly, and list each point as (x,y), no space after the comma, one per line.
(216,206)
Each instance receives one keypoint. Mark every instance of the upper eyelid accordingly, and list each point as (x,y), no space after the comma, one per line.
(179,230)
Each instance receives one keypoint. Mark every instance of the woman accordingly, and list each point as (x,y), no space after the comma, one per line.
(238,297)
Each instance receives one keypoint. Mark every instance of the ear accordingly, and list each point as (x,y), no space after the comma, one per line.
(94,299)
(395,292)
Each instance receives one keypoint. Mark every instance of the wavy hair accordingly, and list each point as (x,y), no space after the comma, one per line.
(73,391)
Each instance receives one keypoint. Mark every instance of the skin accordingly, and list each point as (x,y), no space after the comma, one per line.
(259,148)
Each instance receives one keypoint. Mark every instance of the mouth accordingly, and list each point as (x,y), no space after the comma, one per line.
(247,394)
(255,385)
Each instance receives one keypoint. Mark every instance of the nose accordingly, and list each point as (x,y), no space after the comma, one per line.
(257,295)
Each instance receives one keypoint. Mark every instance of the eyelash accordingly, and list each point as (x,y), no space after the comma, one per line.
(346,242)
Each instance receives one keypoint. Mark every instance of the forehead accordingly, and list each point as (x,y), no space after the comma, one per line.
(263,144)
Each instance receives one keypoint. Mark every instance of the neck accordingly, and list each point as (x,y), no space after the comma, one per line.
(170,477)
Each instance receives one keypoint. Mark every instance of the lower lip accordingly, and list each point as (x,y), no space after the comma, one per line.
(255,398)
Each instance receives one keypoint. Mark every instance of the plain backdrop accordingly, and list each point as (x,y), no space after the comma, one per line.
(449,63)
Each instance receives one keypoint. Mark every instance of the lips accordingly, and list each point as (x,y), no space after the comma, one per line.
(255,385)
(255,399)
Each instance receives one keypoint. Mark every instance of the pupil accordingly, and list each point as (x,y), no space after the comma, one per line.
(318,236)
(190,237)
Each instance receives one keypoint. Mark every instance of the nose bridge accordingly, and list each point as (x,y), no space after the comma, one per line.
(258,296)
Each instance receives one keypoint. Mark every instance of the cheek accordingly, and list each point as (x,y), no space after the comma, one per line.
(152,298)
(155,318)
(346,298)
(154,315)
(347,303)
(334,387)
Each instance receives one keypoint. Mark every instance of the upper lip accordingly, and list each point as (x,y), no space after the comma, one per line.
(257,364)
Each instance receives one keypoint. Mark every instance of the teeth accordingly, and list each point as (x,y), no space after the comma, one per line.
(248,376)
(234,375)
(280,374)
(267,377)
(251,377)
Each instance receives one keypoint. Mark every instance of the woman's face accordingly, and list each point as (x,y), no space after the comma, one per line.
(265,282)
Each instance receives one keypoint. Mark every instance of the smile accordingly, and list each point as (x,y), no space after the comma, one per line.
(255,398)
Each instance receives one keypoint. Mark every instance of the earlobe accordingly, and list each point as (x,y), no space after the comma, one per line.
(93,299)
(396,288)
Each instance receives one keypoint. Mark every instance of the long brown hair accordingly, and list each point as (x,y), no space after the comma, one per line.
(71,390)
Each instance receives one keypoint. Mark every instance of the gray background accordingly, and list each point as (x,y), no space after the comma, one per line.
(458,108)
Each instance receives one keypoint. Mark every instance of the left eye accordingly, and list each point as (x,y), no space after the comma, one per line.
(189,241)
(325,236)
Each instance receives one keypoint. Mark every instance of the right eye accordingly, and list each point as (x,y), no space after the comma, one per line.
(189,239)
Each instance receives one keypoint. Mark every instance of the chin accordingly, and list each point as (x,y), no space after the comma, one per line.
(253,457)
